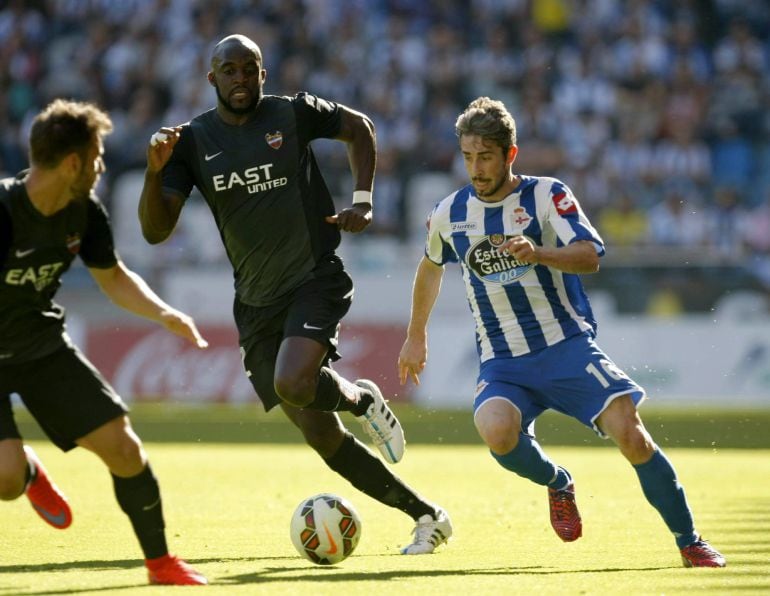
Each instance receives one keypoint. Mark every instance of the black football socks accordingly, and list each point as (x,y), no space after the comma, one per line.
(359,466)
(139,498)
(336,394)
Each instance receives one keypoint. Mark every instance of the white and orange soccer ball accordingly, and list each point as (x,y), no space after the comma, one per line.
(325,529)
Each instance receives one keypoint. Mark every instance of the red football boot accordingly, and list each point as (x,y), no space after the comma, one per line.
(701,554)
(45,497)
(565,517)
(169,570)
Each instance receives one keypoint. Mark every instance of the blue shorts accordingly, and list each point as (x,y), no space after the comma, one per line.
(573,377)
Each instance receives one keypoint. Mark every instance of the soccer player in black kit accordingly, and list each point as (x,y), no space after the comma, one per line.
(49,214)
(250,157)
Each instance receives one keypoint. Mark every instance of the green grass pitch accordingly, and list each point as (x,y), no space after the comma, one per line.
(228,507)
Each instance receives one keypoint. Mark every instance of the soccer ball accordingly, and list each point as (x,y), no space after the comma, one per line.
(325,529)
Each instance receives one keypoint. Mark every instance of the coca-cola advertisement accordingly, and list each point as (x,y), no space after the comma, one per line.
(147,363)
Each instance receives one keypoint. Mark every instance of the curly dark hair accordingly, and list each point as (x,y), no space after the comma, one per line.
(489,119)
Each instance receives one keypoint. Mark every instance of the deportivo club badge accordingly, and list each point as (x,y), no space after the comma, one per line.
(274,139)
(520,218)
(489,264)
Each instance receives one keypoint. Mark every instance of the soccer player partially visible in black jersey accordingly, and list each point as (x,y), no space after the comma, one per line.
(250,157)
(48,216)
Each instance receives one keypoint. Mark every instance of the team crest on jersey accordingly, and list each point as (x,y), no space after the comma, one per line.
(520,218)
(274,139)
(73,243)
(490,265)
(496,239)
(564,204)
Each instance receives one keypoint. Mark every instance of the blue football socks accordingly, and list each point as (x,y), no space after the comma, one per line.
(528,460)
(662,489)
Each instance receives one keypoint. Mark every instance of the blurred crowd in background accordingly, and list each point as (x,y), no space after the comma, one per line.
(656,113)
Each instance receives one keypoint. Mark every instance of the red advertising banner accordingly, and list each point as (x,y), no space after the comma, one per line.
(150,364)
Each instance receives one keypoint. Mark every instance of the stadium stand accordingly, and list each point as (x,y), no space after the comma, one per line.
(660,109)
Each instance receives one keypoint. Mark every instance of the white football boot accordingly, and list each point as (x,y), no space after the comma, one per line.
(429,533)
(381,424)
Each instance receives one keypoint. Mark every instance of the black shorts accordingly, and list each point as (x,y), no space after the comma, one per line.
(64,392)
(314,310)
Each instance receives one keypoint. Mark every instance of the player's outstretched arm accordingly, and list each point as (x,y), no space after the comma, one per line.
(129,291)
(357,132)
(159,211)
(414,352)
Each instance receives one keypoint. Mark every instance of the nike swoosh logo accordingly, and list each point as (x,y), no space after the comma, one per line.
(208,157)
(20,254)
(152,505)
(313,327)
(332,545)
(56,520)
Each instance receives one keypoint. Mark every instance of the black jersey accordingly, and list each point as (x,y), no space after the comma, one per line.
(265,190)
(35,250)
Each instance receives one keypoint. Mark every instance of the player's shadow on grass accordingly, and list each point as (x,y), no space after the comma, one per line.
(316,574)
(18,592)
(277,574)
(69,565)
(95,565)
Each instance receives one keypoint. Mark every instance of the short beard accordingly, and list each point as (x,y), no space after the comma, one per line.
(493,191)
(238,111)
(81,193)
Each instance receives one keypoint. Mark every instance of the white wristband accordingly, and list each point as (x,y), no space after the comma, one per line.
(158,137)
(362,196)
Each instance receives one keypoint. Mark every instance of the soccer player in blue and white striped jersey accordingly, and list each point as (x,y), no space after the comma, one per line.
(522,242)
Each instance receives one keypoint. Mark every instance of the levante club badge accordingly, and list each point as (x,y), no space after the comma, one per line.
(274,139)
(73,243)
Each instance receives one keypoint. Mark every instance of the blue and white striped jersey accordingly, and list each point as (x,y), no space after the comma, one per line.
(518,307)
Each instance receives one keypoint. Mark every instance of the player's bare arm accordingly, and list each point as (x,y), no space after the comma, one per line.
(414,352)
(129,291)
(159,211)
(578,257)
(357,132)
